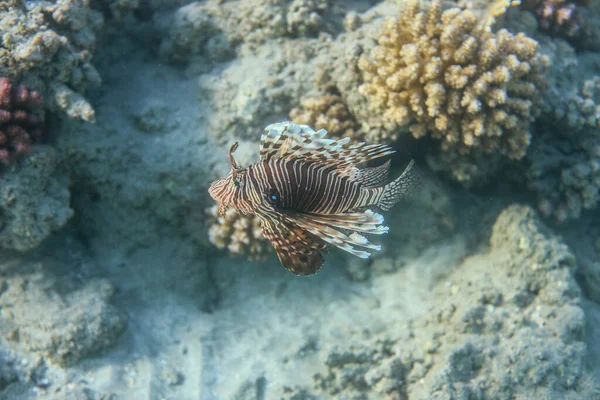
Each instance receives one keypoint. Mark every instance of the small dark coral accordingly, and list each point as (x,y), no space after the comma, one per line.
(566,19)
(21,120)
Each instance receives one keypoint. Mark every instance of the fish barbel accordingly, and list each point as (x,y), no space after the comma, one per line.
(307,191)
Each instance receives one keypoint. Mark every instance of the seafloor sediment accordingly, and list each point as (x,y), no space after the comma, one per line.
(117,281)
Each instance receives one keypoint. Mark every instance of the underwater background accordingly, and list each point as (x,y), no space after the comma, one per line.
(118,279)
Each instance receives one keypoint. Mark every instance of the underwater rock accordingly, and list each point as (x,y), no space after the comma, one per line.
(61,320)
(33,201)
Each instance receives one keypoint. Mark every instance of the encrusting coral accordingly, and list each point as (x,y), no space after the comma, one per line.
(21,121)
(49,44)
(564,164)
(240,234)
(446,74)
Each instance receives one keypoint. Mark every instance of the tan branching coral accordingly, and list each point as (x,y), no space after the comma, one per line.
(445,74)
(329,112)
(240,234)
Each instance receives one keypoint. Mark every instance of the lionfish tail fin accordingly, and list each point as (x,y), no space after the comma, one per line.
(400,188)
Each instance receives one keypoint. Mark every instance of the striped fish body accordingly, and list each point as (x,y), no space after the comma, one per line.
(308,192)
(308,187)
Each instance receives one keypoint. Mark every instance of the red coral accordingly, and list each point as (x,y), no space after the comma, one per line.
(565,18)
(21,122)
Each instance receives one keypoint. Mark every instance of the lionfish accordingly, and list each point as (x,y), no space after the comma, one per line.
(307,191)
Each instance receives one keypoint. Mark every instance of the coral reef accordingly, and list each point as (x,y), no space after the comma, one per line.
(567,19)
(33,202)
(76,320)
(240,234)
(501,316)
(329,112)
(563,166)
(215,29)
(564,172)
(21,120)
(447,75)
(193,31)
(304,17)
(49,45)
(252,91)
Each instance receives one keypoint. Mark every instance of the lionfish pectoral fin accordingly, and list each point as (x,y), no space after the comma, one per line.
(222,209)
(297,249)
(323,226)
(400,188)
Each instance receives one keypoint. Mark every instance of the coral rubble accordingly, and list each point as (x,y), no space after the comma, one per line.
(240,234)
(446,75)
(21,120)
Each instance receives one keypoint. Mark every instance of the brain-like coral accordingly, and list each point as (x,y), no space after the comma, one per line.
(240,234)
(445,74)
(21,121)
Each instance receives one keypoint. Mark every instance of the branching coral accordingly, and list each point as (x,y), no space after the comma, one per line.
(240,234)
(565,18)
(328,112)
(445,74)
(21,121)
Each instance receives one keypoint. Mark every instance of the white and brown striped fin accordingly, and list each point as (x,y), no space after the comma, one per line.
(400,187)
(371,177)
(298,250)
(291,141)
(323,226)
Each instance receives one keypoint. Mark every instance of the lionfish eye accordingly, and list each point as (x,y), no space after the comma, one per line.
(274,197)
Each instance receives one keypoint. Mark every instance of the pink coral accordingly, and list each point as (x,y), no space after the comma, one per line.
(21,122)
(565,18)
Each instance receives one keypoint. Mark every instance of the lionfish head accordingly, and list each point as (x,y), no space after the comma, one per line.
(225,190)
